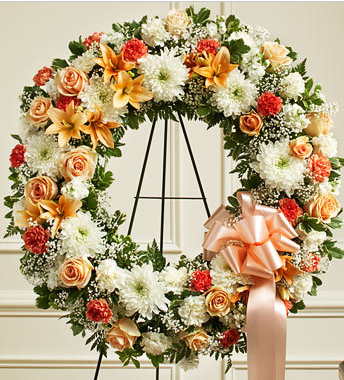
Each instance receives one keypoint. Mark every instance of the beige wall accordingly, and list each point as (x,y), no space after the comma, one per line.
(35,344)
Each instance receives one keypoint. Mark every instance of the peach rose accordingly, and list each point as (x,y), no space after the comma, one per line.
(251,123)
(276,54)
(325,206)
(320,123)
(70,81)
(123,334)
(177,21)
(37,114)
(301,148)
(196,340)
(217,302)
(79,162)
(39,188)
(75,272)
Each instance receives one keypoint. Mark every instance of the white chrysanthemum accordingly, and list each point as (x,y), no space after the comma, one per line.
(193,311)
(109,275)
(174,279)
(278,167)
(154,343)
(75,189)
(292,86)
(81,237)
(237,98)
(26,129)
(325,145)
(295,117)
(85,62)
(142,292)
(164,75)
(42,155)
(115,38)
(154,33)
(223,276)
(99,93)
(302,284)
(51,89)
(18,206)
(189,363)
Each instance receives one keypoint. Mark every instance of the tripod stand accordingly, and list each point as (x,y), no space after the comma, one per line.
(162,197)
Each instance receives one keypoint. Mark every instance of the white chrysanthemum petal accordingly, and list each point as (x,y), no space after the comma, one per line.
(154,33)
(239,96)
(80,236)
(278,167)
(174,279)
(75,189)
(164,75)
(154,343)
(193,311)
(295,117)
(115,38)
(292,86)
(142,292)
(109,275)
(85,62)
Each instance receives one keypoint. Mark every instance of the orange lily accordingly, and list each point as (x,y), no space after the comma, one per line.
(66,123)
(112,63)
(129,90)
(242,293)
(99,130)
(287,270)
(65,208)
(32,211)
(217,68)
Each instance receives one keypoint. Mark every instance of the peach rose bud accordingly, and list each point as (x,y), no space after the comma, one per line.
(177,21)
(37,114)
(301,148)
(40,188)
(218,302)
(123,334)
(196,340)
(276,54)
(325,206)
(320,124)
(70,81)
(75,272)
(251,123)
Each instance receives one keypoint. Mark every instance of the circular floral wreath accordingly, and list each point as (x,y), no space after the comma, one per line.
(276,124)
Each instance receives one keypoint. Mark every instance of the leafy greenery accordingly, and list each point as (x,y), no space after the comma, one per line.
(200,18)
(154,256)
(237,48)
(77,48)
(59,64)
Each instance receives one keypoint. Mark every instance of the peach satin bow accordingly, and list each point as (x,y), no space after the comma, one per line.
(251,247)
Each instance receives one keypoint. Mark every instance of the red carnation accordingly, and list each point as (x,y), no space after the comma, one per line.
(209,46)
(95,37)
(200,280)
(290,209)
(35,239)
(17,157)
(99,311)
(269,104)
(319,167)
(133,50)
(311,264)
(230,337)
(43,76)
(63,101)
(288,305)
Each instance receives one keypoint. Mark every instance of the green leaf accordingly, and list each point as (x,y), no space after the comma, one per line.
(232,24)
(237,48)
(292,54)
(203,111)
(297,306)
(77,328)
(77,47)
(301,68)
(59,64)
(17,137)
(336,252)
(336,222)
(101,179)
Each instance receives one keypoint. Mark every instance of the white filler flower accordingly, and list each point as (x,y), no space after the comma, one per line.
(81,237)
(154,343)
(75,189)
(174,279)
(109,275)
(154,33)
(278,167)
(237,98)
(193,312)
(164,75)
(295,117)
(142,292)
(302,284)
(292,86)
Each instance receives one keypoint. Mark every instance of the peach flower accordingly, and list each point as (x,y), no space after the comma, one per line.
(276,54)
(301,148)
(70,81)
(196,340)
(80,162)
(123,334)
(319,167)
(218,302)
(40,188)
(251,123)
(320,123)
(75,272)
(37,114)
(324,206)
(177,21)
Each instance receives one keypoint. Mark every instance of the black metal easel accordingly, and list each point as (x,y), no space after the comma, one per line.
(163,197)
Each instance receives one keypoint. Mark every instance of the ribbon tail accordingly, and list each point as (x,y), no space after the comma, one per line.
(266,328)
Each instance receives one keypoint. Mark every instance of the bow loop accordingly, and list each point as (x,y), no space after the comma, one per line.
(252,230)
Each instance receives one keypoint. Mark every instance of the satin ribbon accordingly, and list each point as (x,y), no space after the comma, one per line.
(250,247)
